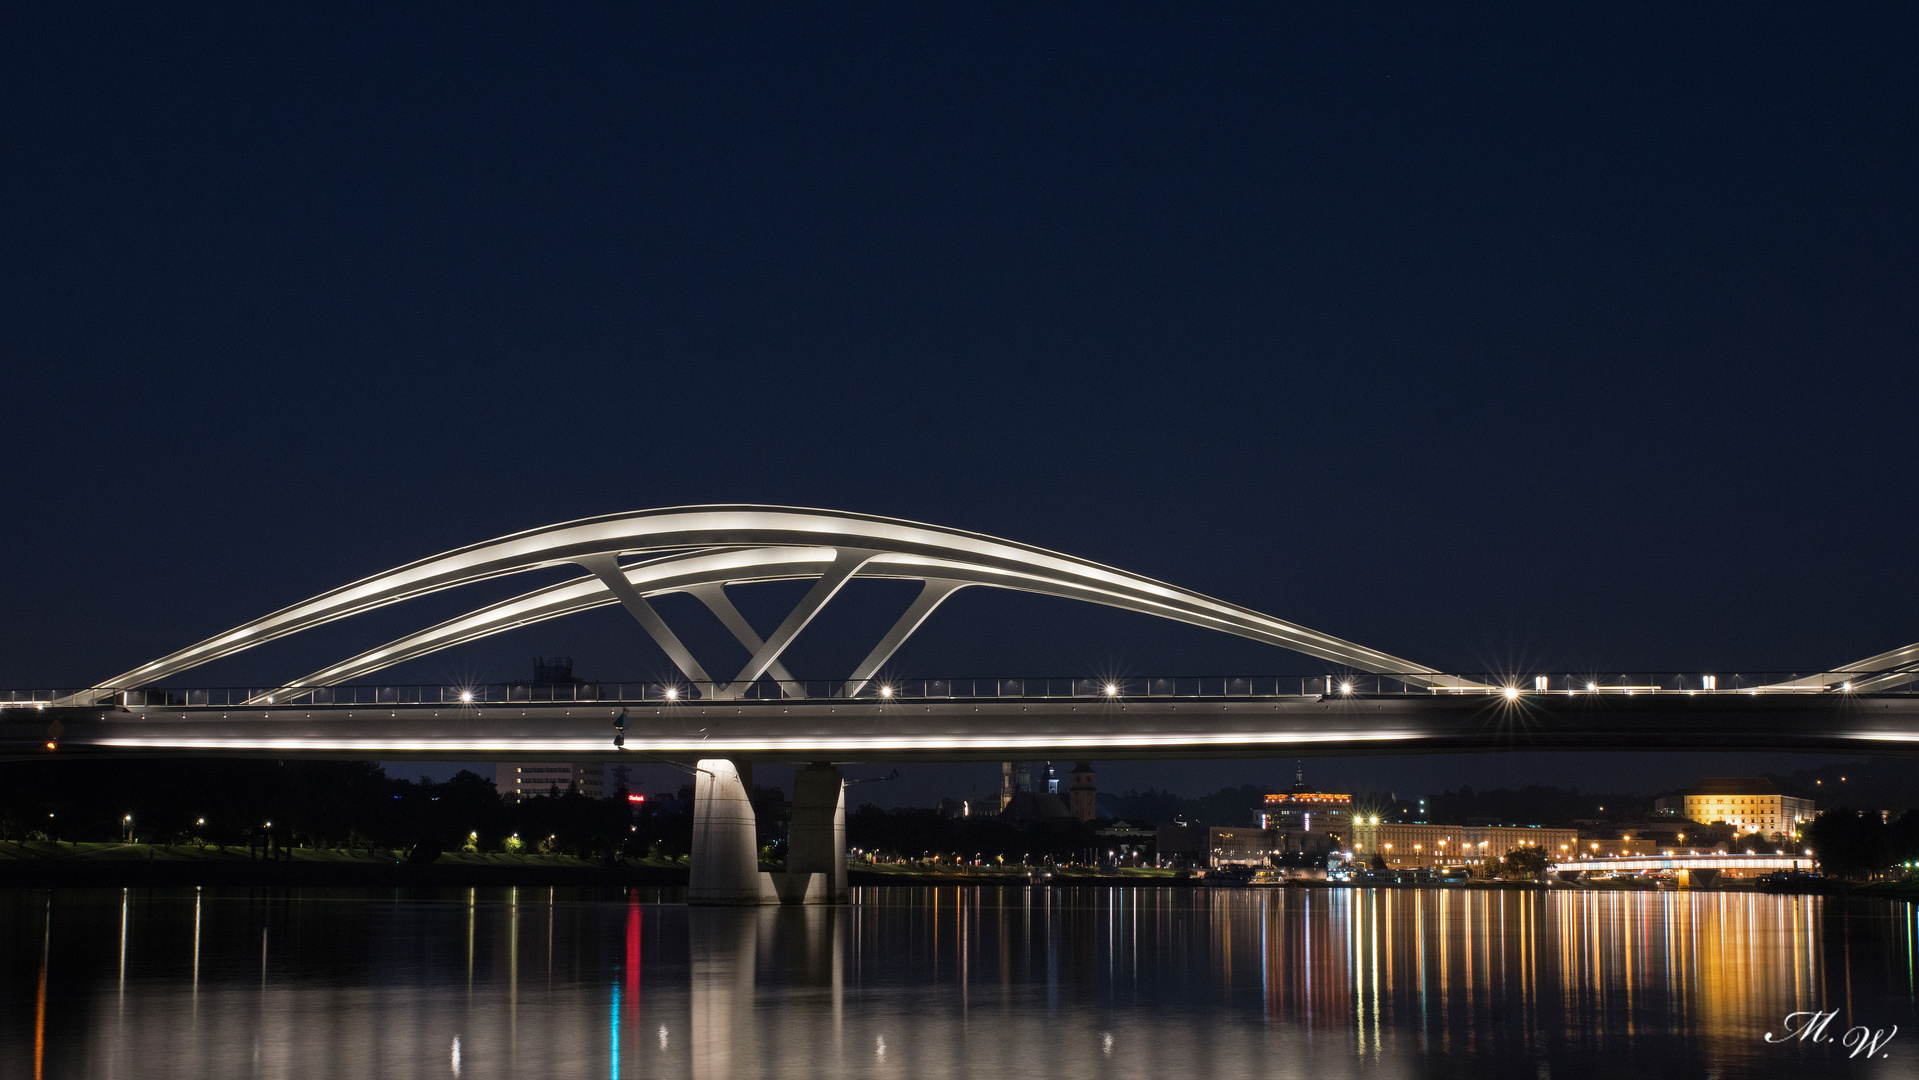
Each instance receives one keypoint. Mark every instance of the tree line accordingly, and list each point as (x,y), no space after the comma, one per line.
(1862,844)
(354,805)
(347,805)
(919,833)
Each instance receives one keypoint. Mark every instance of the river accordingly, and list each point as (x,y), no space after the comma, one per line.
(947,982)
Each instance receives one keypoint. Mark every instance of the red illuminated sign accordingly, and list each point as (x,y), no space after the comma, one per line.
(636,798)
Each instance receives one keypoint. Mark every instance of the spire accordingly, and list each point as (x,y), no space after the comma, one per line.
(1299,779)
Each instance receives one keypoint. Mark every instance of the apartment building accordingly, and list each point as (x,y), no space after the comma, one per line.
(533,779)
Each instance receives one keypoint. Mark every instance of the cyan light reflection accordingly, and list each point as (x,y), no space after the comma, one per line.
(958,982)
(613,1035)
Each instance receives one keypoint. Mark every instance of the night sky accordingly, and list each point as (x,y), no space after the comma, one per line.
(1509,339)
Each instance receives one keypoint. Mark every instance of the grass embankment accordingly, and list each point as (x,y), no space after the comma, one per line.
(1897,890)
(947,874)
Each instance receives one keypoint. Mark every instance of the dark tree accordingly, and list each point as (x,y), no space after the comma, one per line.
(1850,844)
(1526,862)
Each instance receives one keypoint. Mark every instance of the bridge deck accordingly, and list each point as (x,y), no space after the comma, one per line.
(868,729)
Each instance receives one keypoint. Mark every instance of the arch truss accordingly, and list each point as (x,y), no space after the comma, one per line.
(630,559)
(1874,674)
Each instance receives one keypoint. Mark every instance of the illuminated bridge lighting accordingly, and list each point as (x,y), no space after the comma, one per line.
(628,560)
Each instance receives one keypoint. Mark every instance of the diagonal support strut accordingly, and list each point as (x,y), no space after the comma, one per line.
(935,591)
(607,569)
(721,605)
(846,562)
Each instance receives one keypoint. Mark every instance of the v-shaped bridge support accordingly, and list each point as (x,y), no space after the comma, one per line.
(846,562)
(721,605)
(765,653)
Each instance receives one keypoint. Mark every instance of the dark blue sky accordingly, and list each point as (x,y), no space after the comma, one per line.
(1504,338)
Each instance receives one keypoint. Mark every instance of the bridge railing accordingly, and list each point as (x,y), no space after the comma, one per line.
(1113,688)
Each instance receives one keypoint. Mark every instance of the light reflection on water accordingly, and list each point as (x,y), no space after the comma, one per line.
(913,982)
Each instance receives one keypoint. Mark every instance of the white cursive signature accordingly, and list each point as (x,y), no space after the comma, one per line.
(1811,1026)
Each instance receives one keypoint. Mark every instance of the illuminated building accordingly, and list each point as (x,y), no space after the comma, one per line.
(1306,811)
(1408,845)
(1750,804)
(1214,846)
(518,780)
(1306,819)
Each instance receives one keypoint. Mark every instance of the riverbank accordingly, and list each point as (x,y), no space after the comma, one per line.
(1891,890)
(46,863)
(39,863)
(1140,876)
(870,875)
(1064,877)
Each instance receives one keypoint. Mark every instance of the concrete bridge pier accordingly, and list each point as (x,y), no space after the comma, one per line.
(726,848)
(726,853)
(816,839)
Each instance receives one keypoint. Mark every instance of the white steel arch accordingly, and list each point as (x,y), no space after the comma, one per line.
(1875,674)
(701,549)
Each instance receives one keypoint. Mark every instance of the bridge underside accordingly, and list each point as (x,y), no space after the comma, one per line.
(850,731)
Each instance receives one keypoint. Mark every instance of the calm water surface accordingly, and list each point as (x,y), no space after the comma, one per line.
(920,982)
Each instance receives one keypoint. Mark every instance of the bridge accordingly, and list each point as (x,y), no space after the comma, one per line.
(1736,863)
(1365,701)
(956,721)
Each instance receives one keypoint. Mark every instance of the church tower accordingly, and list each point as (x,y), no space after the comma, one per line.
(1083,797)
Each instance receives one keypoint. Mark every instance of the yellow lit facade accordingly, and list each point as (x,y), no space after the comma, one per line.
(1405,845)
(1300,808)
(1749,808)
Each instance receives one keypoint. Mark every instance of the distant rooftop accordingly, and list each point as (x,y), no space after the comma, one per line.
(1308,798)
(1734,785)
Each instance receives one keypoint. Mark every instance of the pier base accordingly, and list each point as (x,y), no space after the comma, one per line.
(726,849)
(816,839)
